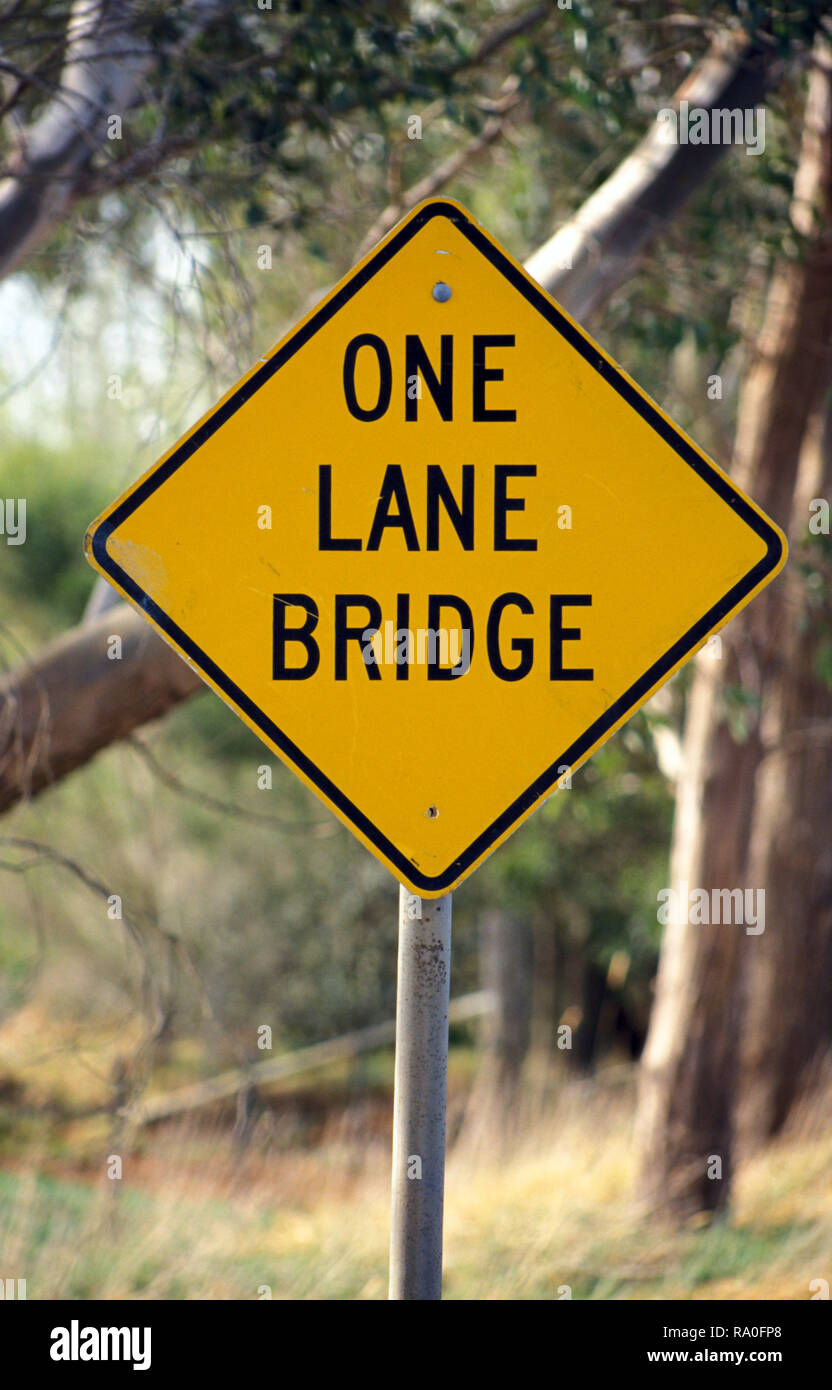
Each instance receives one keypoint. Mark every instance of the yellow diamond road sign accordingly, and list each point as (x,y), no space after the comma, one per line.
(435,548)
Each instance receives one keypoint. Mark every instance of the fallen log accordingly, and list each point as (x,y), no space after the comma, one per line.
(201,1094)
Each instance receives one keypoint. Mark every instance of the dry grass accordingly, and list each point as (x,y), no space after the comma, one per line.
(186,1221)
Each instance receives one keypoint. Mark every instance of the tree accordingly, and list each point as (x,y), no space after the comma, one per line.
(788,1026)
(230,106)
(690,1068)
(131,88)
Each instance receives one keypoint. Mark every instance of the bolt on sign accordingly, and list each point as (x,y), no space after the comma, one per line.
(436,547)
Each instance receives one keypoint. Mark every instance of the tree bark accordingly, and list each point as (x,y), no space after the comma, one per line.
(690,1067)
(789,1025)
(58,710)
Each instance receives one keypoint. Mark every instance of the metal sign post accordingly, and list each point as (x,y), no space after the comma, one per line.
(419,1103)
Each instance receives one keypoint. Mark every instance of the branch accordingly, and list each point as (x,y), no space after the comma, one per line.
(134,926)
(54,152)
(310,829)
(443,173)
(272,1069)
(58,711)
(598,248)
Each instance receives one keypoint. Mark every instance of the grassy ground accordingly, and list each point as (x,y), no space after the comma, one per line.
(305,1221)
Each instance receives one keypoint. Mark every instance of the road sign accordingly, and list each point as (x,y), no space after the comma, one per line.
(436,547)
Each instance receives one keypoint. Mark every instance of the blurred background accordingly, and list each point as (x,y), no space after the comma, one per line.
(635,1110)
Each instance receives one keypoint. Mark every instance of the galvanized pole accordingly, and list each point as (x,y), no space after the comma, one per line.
(421,1088)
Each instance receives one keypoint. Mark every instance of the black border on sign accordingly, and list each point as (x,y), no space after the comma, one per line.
(631,697)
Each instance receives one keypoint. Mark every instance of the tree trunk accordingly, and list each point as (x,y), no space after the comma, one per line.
(506,957)
(690,1067)
(101,76)
(789,1024)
